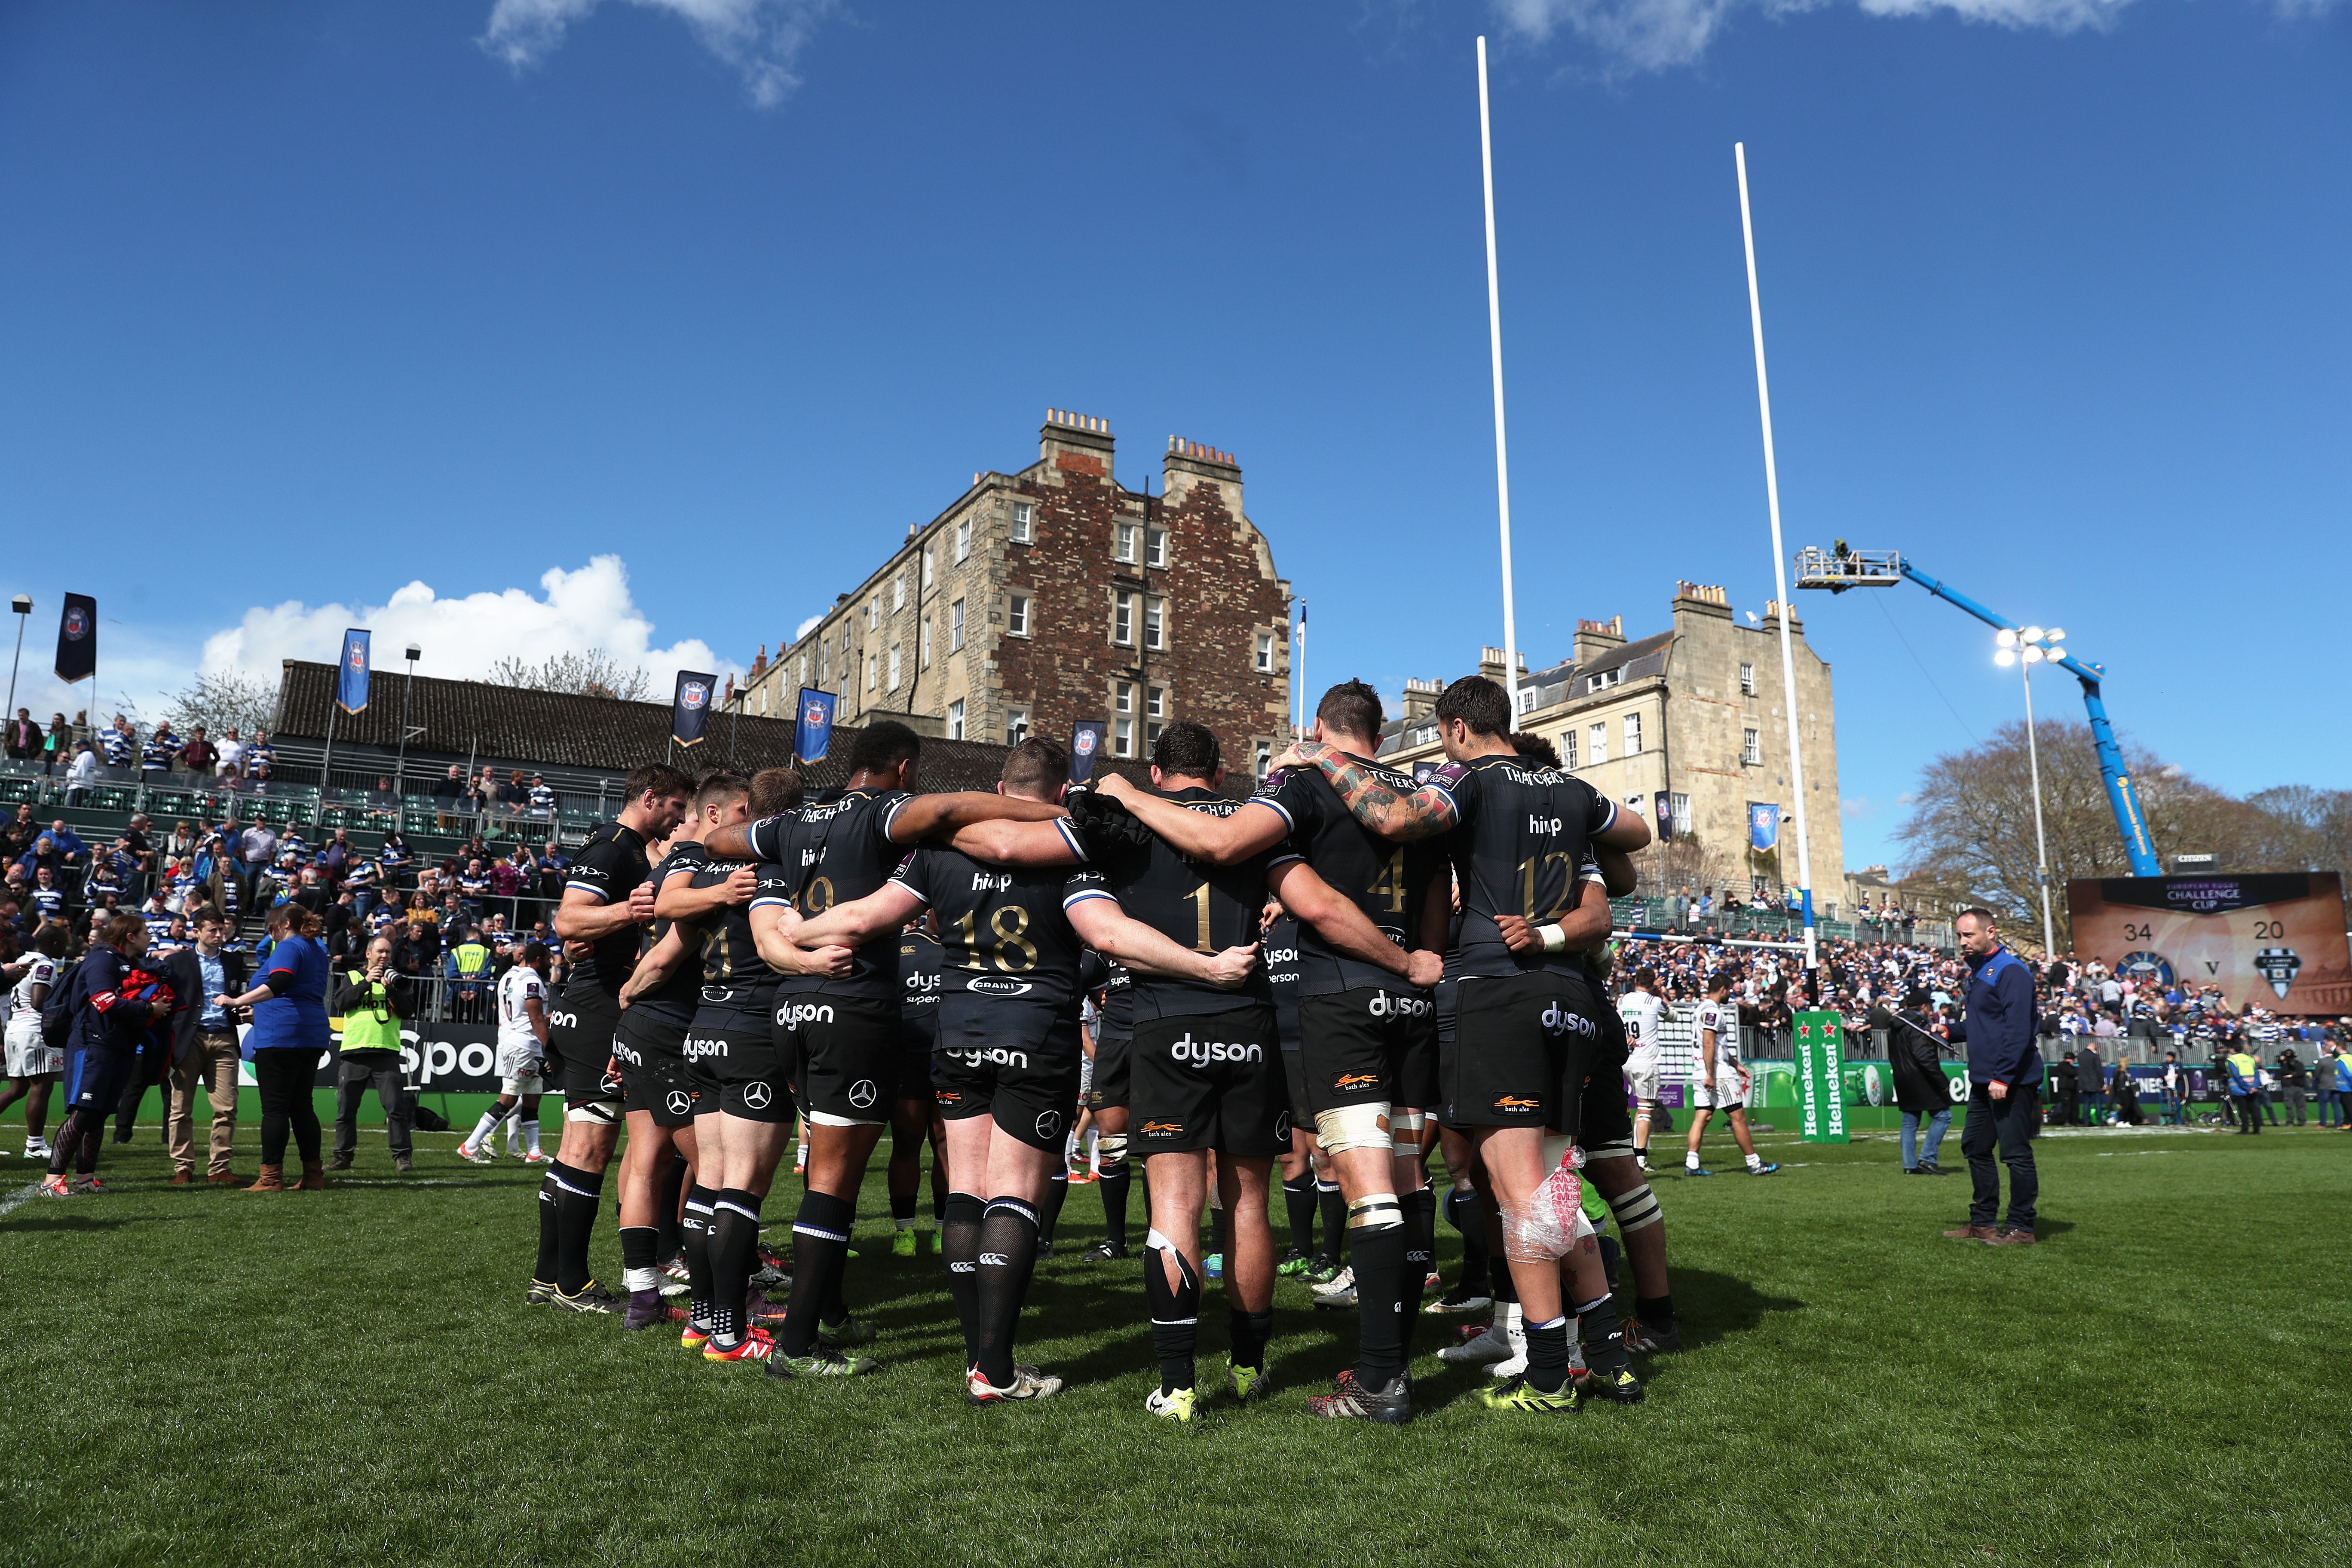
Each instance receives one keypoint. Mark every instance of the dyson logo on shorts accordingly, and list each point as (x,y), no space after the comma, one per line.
(628,1054)
(1200,1053)
(977,1057)
(793,1015)
(700,1047)
(1557,1022)
(1383,1005)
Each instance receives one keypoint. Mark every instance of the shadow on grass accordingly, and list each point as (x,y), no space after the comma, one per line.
(27,1224)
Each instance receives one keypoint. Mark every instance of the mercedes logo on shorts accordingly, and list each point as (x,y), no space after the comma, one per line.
(679,1102)
(1048,1123)
(756,1095)
(1282,1125)
(863,1093)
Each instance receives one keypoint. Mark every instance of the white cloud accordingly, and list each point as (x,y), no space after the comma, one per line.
(1654,34)
(463,637)
(761,38)
(805,627)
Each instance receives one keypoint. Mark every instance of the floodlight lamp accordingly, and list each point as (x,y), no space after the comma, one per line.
(415,652)
(22,604)
(2005,657)
(2034,656)
(2006,638)
(2057,653)
(2031,633)
(2056,636)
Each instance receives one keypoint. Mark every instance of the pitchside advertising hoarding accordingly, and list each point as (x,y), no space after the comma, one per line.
(2274,941)
(436,1058)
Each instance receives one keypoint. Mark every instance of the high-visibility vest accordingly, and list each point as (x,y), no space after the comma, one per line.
(473,960)
(2246,1069)
(370,1027)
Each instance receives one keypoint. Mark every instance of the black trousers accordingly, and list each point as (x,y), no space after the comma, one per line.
(145,1071)
(353,1074)
(286,1074)
(2009,1125)
(2247,1118)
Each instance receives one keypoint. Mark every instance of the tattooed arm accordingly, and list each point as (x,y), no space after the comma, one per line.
(1392,816)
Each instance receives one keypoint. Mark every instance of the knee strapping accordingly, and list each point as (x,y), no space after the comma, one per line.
(1364,1126)
(1375,1211)
(1636,1209)
(596,1113)
(1110,1148)
(1407,1123)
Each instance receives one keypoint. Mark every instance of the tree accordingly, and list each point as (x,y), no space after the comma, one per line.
(1972,824)
(592,672)
(221,701)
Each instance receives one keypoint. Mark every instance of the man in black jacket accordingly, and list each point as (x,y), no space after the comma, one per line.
(372,1002)
(1914,1050)
(2064,1101)
(203,1048)
(2004,1084)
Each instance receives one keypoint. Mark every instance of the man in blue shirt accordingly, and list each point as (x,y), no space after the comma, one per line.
(2004,1084)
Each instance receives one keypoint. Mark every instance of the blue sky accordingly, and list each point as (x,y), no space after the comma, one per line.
(300,304)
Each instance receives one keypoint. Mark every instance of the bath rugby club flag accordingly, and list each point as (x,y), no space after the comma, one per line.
(1763,825)
(77,639)
(1665,817)
(1085,744)
(352,673)
(812,732)
(689,708)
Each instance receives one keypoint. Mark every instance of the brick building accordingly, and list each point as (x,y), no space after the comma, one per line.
(1692,711)
(1039,598)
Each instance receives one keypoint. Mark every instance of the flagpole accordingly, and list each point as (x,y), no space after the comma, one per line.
(1495,353)
(1300,727)
(1780,563)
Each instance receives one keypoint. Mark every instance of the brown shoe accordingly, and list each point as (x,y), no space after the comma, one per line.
(271,1179)
(339,1163)
(314,1178)
(2006,1237)
(183,1178)
(1969,1233)
(402,1163)
(223,1178)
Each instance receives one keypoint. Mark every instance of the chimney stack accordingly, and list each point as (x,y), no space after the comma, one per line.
(1071,443)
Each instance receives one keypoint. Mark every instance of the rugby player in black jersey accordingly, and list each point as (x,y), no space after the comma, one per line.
(732,1033)
(1006,1072)
(1106,1099)
(1368,1044)
(1205,1068)
(657,1005)
(914,1115)
(836,1041)
(1516,833)
(606,896)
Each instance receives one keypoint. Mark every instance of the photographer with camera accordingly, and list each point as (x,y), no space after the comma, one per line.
(372,1001)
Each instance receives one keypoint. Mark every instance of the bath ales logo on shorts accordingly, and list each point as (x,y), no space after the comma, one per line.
(1516,1105)
(1161,1130)
(1351,1082)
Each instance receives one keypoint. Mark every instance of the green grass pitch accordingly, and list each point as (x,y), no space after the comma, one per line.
(198,1376)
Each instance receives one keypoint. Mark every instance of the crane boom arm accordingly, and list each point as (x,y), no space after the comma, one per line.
(2121,797)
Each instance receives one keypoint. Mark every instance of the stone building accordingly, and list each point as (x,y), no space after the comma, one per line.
(1039,598)
(1693,711)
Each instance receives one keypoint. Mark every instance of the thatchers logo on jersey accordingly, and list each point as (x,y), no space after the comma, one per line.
(793,1015)
(1200,1053)
(1383,1005)
(988,986)
(1559,1020)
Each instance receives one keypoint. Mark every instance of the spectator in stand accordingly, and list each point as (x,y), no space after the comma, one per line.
(259,754)
(373,1000)
(450,795)
(394,860)
(287,1038)
(232,750)
(138,840)
(121,745)
(360,878)
(542,796)
(470,968)
(507,884)
(163,747)
(335,857)
(256,851)
(59,745)
(24,737)
(203,1050)
(199,756)
(474,886)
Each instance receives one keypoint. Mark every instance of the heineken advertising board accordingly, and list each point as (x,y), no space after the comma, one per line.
(1821,1098)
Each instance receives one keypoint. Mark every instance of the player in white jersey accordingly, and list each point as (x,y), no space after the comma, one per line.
(523,1062)
(1644,1010)
(1719,1080)
(33,1064)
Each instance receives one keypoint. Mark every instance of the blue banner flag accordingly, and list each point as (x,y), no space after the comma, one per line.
(1085,744)
(77,639)
(1763,825)
(351,674)
(813,733)
(689,707)
(1665,817)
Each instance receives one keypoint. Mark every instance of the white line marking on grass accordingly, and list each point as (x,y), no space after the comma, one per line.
(18,1197)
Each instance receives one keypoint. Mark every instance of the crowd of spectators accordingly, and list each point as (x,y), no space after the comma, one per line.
(84,756)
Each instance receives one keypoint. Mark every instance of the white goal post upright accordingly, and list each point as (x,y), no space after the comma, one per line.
(1494,351)
(1780,564)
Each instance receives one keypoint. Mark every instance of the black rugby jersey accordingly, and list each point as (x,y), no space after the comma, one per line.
(1206,908)
(1002,929)
(732,971)
(1282,973)
(918,972)
(677,993)
(1520,846)
(1377,877)
(1117,1020)
(831,855)
(611,865)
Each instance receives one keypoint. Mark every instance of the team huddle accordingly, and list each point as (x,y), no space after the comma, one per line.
(922,962)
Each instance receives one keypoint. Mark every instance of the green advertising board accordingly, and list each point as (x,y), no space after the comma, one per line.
(1821,1086)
